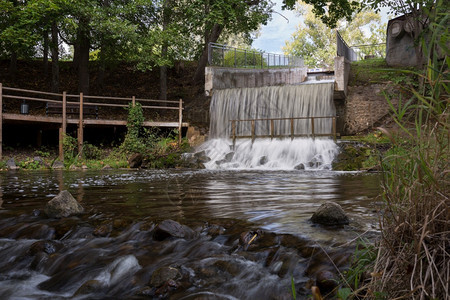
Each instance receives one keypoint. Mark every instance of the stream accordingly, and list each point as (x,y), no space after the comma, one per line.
(112,251)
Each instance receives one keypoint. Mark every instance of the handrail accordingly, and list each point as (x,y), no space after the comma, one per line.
(227,56)
(342,49)
(272,134)
(365,51)
(61,98)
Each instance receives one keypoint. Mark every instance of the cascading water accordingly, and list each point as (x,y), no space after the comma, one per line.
(273,102)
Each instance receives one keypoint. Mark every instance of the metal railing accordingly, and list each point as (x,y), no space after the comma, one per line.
(343,49)
(226,56)
(272,129)
(370,51)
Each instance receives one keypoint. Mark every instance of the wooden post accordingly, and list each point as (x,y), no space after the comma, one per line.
(1,120)
(133,101)
(292,128)
(233,131)
(253,131)
(312,127)
(80,127)
(334,129)
(63,129)
(272,129)
(180,121)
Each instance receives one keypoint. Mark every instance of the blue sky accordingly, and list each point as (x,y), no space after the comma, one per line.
(274,35)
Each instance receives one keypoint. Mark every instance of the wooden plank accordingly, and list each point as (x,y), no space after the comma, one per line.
(30,91)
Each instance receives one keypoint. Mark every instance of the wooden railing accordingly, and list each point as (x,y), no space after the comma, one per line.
(271,134)
(82,101)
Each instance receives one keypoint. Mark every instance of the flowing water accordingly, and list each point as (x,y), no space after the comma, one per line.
(110,251)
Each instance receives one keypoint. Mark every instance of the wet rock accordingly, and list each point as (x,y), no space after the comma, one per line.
(90,286)
(48,247)
(326,281)
(263,160)
(170,228)
(135,161)
(58,165)
(299,167)
(11,164)
(330,213)
(102,230)
(84,167)
(164,275)
(216,230)
(229,156)
(107,167)
(74,168)
(63,205)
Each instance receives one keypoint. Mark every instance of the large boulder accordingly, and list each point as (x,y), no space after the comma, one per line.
(330,213)
(170,228)
(63,205)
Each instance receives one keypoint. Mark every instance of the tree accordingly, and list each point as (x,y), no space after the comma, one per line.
(210,19)
(316,42)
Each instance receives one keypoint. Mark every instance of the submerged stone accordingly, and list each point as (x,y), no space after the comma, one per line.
(63,205)
(11,164)
(170,228)
(330,213)
(58,165)
(164,275)
(299,167)
(263,160)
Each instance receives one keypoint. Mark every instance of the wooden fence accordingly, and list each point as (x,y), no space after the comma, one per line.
(271,134)
(82,102)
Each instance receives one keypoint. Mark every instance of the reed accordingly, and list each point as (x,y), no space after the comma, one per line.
(413,256)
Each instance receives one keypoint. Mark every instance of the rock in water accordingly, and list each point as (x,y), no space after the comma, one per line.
(163,275)
(11,164)
(170,228)
(58,165)
(330,213)
(135,160)
(63,205)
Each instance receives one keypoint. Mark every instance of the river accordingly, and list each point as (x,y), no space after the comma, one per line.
(110,251)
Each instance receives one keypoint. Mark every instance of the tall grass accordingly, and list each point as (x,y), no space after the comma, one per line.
(413,259)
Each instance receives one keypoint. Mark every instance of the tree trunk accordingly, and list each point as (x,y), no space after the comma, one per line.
(13,66)
(83,63)
(163,82)
(211,37)
(45,54)
(76,56)
(55,59)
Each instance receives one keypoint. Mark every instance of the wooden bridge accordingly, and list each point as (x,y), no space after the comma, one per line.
(83,107)
(271,128)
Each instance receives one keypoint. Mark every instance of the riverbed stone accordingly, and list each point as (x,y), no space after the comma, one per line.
(300,166)
(63,205)
(164,275)
(326,281)
(170,228)
(263,160)
(11,164)
(90,286)
(58,165)
(135,161)
(330,213)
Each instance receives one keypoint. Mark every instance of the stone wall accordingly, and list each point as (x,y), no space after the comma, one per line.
(366,107)
(217,78)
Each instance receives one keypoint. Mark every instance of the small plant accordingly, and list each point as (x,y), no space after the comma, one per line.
(29,164)
(91,152)
(42,153)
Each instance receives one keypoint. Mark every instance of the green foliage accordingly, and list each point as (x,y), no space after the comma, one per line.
(29,164)
(70,147)
(42,153)
(363,262)
(248,59)
(91,151)
(138,139)
(316,42)
(377,71)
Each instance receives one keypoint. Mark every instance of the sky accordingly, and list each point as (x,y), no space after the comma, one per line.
(274,35)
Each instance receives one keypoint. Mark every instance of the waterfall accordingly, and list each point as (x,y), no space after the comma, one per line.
(272,102)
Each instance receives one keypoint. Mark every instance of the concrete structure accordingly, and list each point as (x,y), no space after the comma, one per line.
(400,49)
(341,73)
(218,78)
